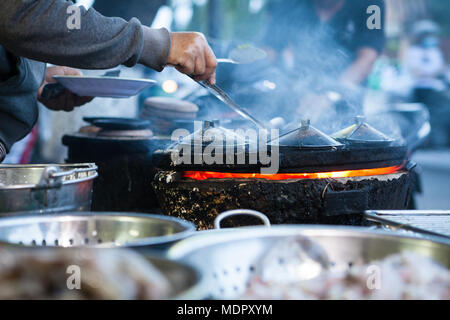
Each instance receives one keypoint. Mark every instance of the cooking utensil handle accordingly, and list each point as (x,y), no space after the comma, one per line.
(52,176)
(49,178)
(224,60)
(241,212)
(61,174)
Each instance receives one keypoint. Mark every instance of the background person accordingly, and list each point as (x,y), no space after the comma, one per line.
(326,44)
(297,27)
(425,61)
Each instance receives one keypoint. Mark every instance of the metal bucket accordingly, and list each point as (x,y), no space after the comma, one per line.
(39,189)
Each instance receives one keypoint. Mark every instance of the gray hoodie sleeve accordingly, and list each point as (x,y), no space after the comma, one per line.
(38,30)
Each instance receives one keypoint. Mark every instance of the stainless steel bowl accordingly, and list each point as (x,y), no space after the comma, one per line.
(94,230)
(38,189)
(228,258)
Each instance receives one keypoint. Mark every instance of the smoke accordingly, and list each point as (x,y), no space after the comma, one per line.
(305,62)
(300,79)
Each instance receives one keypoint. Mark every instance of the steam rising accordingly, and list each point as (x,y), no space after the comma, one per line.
(308,63)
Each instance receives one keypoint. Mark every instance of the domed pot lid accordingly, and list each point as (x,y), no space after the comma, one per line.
(212,133)
(307,137)
(362,133)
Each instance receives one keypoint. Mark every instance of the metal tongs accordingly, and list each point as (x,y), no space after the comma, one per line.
(225,98)
(243,54)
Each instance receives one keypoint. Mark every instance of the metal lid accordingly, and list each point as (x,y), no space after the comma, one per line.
(307,137)
(105,127)
(246,54)
(121,124)
(212,133)
(362,133)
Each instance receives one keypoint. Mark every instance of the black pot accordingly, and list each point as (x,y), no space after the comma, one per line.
(125,166)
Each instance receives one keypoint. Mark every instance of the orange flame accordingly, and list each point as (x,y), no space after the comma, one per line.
(205,175)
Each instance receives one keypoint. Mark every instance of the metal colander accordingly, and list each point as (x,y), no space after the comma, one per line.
(229,258)
(94,230)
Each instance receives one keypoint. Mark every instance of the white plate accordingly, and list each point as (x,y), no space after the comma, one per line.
(105,87)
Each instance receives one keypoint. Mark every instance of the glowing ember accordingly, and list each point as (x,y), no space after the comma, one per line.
(205,175)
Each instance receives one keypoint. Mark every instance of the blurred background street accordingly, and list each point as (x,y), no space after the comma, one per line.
(435,168)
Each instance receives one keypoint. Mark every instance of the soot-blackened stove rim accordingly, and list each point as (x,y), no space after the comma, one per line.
(297,201)
(298,160)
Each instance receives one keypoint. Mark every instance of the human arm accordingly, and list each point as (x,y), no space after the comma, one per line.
(39,30)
